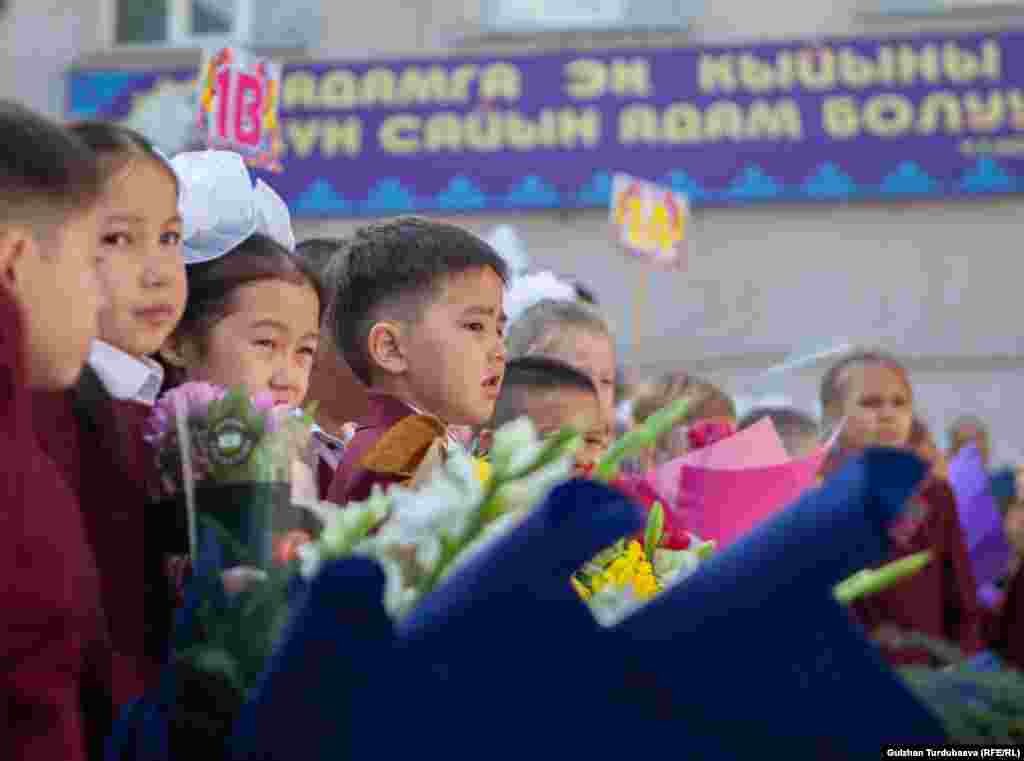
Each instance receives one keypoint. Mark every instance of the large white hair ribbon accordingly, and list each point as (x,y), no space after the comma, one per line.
(221,207)
(525,291)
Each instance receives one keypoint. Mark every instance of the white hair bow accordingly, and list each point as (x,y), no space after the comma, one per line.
(221,207)
(531,289)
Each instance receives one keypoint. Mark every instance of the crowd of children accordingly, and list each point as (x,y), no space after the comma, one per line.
(119,282)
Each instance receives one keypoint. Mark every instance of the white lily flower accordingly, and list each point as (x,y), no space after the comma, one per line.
(510,441)
(444,505)
(342,528)
(428,553)
(523,494)
(614,603)
(674,566)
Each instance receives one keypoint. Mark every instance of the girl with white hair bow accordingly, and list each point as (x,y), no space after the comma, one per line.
(254,308)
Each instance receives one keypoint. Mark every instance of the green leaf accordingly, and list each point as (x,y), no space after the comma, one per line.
(870,581)
(640,438)
(705,550)
(655,529)
(555,446)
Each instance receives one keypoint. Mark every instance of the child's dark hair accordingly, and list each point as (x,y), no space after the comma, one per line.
(115,146)
(319,252)
(46,172)
(398,267)
(212,285)
(528,374)
(791,424)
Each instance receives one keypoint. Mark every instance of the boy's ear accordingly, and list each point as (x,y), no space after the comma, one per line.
(15,244)
(385,347)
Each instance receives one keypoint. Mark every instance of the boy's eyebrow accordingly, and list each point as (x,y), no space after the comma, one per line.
(126,218)
(175,220)
(487,312)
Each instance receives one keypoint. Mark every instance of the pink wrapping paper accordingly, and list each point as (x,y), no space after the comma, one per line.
(723,491)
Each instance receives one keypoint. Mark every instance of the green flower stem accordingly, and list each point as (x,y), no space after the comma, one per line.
(640,438)
(870,581)
(655,528)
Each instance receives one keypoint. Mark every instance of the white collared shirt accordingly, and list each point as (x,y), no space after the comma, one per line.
(327,447)
(124,376)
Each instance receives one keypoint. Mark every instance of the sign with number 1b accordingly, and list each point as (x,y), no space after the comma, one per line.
(238,103)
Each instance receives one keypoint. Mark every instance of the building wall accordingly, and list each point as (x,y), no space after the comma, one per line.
(934,281)
(39,40)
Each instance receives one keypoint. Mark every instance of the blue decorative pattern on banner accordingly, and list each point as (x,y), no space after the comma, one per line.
(462,194)
(390,196)
(532,192)
(684,184)
(753,183)
(597,192)
(321,198)
(829,181)
(987,176)
(909,179)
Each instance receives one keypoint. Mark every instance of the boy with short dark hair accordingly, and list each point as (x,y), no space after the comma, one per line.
(798,430)
(553,395)
(418,317)
(54,658)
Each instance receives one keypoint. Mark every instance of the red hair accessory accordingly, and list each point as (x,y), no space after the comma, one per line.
(708,432)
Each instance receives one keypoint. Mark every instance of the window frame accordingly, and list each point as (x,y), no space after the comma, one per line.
(179,21)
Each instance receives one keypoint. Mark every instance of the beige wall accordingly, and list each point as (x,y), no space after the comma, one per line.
(39,39)
(937,282)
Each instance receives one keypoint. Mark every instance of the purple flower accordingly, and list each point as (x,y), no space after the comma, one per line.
(196,396)
(157,426)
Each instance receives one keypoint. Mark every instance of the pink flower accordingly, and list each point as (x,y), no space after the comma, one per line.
(708,432)
(263,402)
(196,396)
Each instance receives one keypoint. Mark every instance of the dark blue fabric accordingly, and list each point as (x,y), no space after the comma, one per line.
(141,732)
(494,647)
(754,651)
(750,654)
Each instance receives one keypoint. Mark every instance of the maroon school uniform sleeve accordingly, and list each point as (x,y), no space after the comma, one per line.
(963,615)
(116,474)
(50,625)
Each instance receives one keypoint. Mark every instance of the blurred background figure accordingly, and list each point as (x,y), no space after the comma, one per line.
(969,429)
(798,430)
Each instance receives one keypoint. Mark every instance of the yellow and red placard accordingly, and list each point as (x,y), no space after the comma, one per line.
(652,221)
(238,106)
